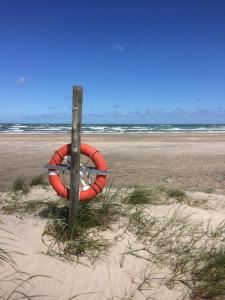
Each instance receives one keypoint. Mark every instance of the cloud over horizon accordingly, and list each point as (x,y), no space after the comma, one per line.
(177,115)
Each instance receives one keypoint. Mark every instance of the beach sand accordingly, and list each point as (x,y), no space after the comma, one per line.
(187,161)
(193,162)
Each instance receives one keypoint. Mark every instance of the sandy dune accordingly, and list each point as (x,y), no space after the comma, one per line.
(113,275)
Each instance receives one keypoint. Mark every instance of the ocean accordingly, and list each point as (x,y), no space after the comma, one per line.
(20,128)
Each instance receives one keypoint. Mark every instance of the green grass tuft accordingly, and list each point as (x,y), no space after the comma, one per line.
(140,224)
(20,184)
(210,278)
(142,195)
(154,195)
(209,190)
(38,180)
(85,237)
(175,193)
(73,241)
(194,254)
(20,206)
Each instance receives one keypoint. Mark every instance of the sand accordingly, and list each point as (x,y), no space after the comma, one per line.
(194,162)
(187,161)
(112,276)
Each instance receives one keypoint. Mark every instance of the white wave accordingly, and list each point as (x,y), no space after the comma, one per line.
(111,129)
(50,129)
(17,127)
(97,127)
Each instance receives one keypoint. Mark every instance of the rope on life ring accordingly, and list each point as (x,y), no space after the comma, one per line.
(95,188)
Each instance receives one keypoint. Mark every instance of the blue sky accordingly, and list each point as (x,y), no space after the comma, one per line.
(153,61)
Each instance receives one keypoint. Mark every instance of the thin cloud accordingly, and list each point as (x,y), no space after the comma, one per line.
(178,115)
(116,106)
(160,115)
(42,117)
(21,80)
(119,47)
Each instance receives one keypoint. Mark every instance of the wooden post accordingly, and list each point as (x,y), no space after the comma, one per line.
(75,153)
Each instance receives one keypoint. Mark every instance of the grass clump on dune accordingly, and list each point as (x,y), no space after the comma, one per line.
(193,253)
(38,180)
(20,206)
(20,184)
(154,195)
(209,279)
(142,195)
(72,241)
(17,199)
(177,194)
(85,237)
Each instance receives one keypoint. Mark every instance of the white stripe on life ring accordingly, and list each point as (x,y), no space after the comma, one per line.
(50,173)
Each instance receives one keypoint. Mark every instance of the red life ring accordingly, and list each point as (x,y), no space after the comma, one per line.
(95,188)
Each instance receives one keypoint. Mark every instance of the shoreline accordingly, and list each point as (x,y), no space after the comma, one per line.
(114,133)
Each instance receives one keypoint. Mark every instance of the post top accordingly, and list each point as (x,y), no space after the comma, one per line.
(77,87)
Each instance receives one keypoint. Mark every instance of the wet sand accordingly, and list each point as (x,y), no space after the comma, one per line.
(187,161)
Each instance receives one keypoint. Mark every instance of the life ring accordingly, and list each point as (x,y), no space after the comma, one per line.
(95,188)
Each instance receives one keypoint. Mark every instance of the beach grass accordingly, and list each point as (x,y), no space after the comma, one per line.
(20,185)
(209,279)
(192,252)
(38,180)
(153,195)
(85,236)
(174,193)
(188,249)
(23,185)
(18,205)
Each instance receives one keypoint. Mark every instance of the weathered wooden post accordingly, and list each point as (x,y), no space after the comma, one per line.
(75,153)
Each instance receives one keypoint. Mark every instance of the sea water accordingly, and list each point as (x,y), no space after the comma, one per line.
(111,128)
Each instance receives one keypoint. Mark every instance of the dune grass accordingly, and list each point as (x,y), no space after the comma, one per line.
(17,205)
(177,194)
(17,199)
(209,190)
(20,185)
(154,195)
(209,279)
(85,236)
(38,180)
(194,253)
(23,185)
